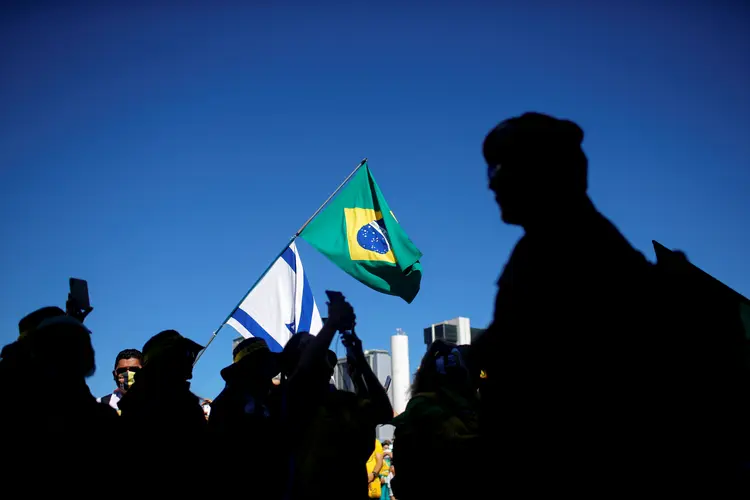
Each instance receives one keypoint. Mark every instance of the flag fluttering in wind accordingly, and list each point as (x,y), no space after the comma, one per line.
(279,305)
(358,232)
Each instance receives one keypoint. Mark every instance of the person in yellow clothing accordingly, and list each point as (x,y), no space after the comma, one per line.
(374,464)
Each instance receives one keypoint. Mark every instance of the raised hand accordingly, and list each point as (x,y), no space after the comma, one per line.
(352,343)
(340,313)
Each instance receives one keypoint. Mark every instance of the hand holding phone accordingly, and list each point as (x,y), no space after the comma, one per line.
(353,344)
(340,312)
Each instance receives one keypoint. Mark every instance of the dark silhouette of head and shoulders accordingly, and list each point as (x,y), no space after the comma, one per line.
(571,298)
(160,401)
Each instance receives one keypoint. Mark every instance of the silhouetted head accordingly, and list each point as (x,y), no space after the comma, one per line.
(19,354)
(32,320)
(170,356)
(535,167)
(61,345)
(445,365)
(127,364)
(253,362)
(292,353)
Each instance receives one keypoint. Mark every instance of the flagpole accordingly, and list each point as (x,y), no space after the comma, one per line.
(330,198)
(296,235)
(213,336)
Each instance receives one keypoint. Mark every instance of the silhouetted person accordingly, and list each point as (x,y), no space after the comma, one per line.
(305,394)
(244,401)
(19,375)
(53,409)
(243,412)
(160,411)
(329,433)
(440,423)
(714,350)
(372,403)
(572,356)
(127,363)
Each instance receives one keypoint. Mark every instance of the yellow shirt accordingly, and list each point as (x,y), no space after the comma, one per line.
(373,459)
(373,489)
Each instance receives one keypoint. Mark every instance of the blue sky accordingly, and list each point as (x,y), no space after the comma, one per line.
(166,155)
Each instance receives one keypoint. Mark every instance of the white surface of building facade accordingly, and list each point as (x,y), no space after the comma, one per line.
(456,330)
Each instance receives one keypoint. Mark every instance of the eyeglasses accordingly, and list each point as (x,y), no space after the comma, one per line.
(493,170)
(124,369)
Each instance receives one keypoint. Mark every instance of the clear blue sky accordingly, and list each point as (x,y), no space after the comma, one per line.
(167,155)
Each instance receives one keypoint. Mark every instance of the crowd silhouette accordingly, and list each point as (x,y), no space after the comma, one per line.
(601,373)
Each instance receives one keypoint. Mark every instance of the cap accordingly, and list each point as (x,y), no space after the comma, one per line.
(166,342)
(530,130)
(31,321)
(63,320)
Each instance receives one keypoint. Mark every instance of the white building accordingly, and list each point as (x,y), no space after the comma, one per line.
(456,330)
(379,361)
(401,371)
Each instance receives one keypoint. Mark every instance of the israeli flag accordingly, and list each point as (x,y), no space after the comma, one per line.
(280,305)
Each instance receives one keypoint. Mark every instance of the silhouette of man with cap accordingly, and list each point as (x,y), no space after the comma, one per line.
(52,357)
(16,367)
(159,410)
(564,356)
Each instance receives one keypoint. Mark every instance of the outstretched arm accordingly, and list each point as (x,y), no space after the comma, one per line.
(315,350)
(340,316)
(366,382)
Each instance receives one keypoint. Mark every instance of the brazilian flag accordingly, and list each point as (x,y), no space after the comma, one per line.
(358,232)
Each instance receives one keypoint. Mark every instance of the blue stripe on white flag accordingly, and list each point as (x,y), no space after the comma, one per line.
(255,329)
(290,258)
(280,305)
(308,303)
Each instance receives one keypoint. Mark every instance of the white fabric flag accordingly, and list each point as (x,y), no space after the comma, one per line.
(280,305)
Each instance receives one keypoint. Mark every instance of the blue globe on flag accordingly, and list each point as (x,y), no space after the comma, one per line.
(374,237)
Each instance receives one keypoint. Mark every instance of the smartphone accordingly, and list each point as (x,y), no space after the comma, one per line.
(387,382)
(79,293)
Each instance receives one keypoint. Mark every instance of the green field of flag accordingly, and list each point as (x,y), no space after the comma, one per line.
(358,232)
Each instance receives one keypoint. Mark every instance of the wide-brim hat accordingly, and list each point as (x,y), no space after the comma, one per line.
(249,351)
(169,342)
